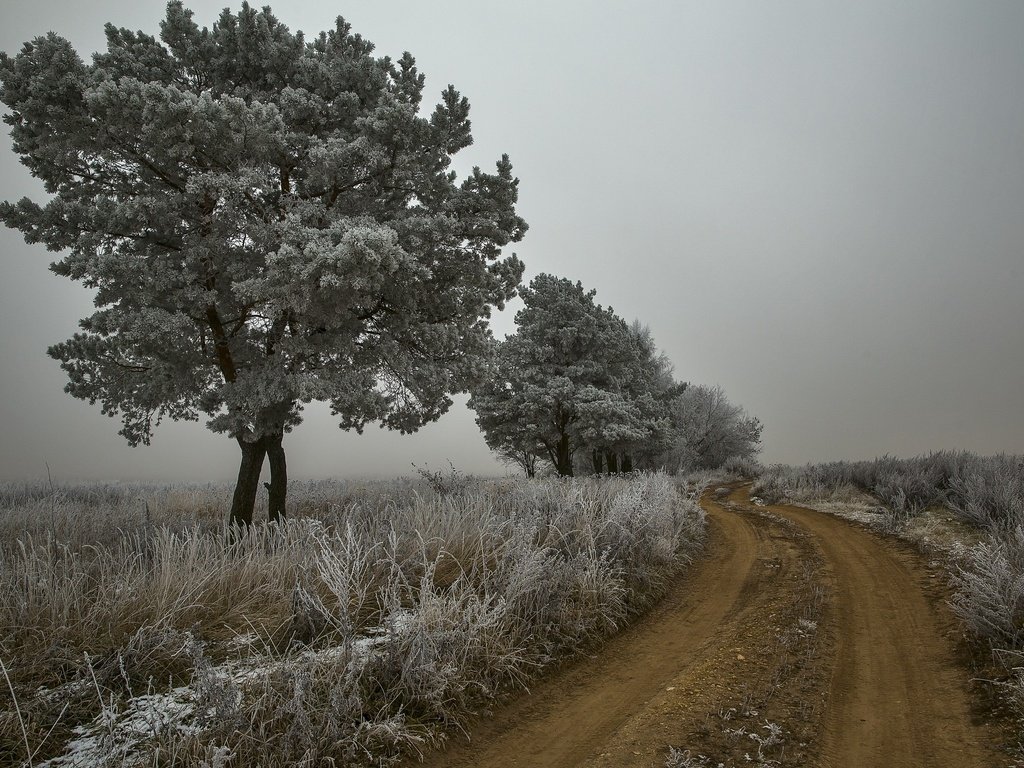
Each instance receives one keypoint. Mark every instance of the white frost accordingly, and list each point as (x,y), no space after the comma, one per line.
(114,735)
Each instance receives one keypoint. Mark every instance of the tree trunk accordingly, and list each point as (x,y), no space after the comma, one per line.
(248,482)
(598,461)
(627,462)
(530,464)
(613,462)
(564,466)
(277,490)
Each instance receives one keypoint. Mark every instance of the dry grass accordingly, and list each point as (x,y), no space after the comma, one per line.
(135,631)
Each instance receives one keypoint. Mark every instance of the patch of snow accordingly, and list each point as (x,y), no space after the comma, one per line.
(244,640)
(808,625)
(65,691)
(122,730)
(260,667)
(117,734)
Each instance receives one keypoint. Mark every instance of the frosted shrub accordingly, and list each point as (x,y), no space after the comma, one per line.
(990,590)
(557,600)
(452,648)
(989,493)
(774,485)
(352,568)
(897,510)
(743,467)
(313,706)
(641,536)
(909,490)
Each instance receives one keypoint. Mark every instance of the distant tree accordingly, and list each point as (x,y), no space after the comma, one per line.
(557,385)
(266,221)
(708,430)
(524,458)
(651,387)
(656,367)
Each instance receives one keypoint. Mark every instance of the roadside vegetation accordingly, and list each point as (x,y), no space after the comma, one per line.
(967,508)
(137,629)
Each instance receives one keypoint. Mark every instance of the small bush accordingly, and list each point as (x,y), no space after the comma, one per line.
(990,590)
(774,485)
(989,493)
(743,467)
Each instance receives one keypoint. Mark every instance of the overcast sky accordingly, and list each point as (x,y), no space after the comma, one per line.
(818,206)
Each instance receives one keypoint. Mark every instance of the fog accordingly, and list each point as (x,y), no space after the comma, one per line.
(817,206)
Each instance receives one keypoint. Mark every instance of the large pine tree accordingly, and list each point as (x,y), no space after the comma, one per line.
(266,221)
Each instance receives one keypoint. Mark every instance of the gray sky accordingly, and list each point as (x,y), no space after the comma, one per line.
(817,205)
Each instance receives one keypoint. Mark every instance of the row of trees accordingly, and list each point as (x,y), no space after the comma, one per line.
(269,220)
(578,387)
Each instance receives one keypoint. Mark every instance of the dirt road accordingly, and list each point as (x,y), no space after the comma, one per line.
(896,696)
(799,639)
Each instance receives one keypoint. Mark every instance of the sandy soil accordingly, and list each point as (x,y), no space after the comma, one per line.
(800,640)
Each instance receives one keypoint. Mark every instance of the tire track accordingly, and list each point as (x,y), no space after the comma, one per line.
(897,697)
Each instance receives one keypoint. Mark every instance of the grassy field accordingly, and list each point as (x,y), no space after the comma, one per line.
(135,630)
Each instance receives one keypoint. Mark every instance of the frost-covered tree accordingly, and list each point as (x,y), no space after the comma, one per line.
(709,429)
(266,220)
(560,383)
(650,387)
(524,458)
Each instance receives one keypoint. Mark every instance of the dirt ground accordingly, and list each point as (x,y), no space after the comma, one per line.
(799,640)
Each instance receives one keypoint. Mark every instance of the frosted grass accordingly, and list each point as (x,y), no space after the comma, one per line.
(368,626)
